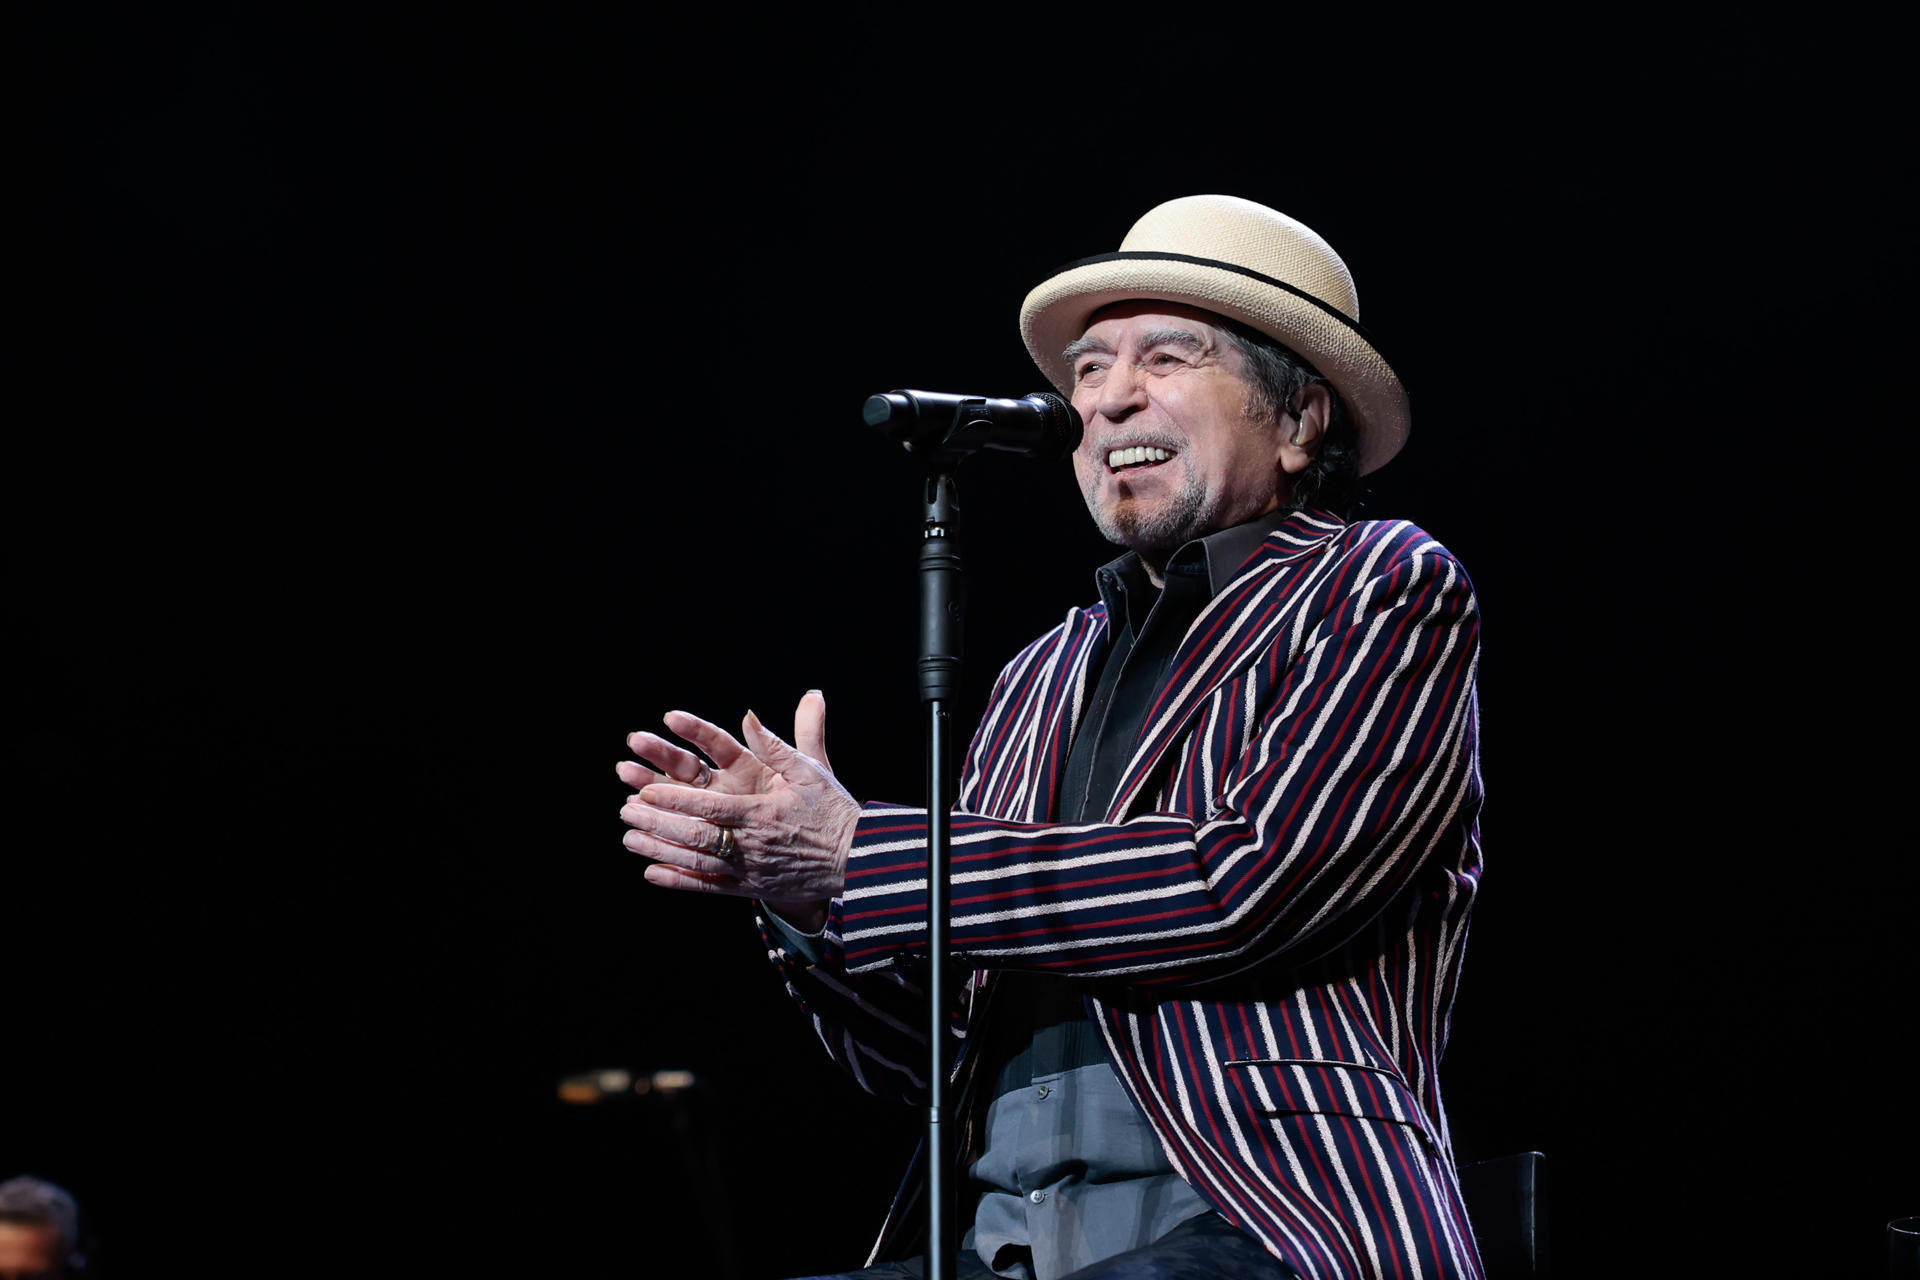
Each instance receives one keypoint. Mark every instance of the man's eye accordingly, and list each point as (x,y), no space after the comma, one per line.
(1087,370)
(1164,358)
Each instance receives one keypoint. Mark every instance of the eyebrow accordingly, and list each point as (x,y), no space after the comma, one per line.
(1081,346)
(1184,338)
(1173,338)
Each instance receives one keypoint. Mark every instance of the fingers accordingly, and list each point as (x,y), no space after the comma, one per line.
(669,763)
(686,816)
(715,808)
(638,775)
(697,862)
(810,727)
(721,747)
(687,853)
(669,877)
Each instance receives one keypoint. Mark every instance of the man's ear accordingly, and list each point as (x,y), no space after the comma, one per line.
(1303,427)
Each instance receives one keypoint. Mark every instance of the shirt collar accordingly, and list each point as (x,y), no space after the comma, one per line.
(1219,556)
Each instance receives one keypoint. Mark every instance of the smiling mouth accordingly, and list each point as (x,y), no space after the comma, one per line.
(1137,456)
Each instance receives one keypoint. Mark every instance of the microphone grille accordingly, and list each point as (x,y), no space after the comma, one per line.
(1063,426)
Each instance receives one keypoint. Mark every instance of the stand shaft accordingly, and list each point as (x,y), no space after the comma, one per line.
(942,616)
(942,1166)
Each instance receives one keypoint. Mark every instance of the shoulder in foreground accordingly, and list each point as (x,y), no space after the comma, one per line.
(1370,549)
(1395,538)
(1076,629)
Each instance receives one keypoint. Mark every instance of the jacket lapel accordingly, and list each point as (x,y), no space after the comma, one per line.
(1236,626)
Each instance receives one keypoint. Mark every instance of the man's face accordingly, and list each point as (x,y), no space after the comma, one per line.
(1162,377)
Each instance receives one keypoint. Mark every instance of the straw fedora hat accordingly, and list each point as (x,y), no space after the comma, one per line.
(1241,260)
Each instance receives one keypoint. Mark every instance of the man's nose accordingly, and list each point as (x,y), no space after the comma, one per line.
(1122,391)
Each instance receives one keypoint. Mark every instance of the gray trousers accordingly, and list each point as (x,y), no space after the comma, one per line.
(1204,1248)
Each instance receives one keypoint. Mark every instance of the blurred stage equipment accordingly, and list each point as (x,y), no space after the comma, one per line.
(624,1135)
(1903,1249)
(615,1083)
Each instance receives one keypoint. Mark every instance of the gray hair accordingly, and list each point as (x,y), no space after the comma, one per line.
(1278,374)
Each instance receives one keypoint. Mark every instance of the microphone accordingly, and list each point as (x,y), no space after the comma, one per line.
(946,428)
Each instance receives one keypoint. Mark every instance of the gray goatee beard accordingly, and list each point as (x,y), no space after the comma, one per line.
(1154,532)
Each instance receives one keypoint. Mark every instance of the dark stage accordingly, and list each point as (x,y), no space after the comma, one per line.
(409,405)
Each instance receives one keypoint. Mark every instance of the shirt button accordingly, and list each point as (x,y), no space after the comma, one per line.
(1038,1197)
(1043,1090)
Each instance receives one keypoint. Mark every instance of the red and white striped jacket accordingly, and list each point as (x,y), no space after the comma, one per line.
(1269,922)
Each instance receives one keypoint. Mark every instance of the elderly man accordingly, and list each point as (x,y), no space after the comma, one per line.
(1216,838)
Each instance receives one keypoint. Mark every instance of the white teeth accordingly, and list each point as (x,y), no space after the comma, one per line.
(1132,457)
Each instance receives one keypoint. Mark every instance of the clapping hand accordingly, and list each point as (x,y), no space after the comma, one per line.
(764,820)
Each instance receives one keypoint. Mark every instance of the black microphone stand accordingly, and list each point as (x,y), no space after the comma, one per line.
(941,430)
(942,624)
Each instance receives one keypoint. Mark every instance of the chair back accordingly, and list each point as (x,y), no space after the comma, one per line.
(1506,1199)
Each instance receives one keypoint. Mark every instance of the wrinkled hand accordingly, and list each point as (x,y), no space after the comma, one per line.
(791,820)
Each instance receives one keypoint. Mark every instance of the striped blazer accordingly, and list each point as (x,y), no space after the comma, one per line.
(1270,920)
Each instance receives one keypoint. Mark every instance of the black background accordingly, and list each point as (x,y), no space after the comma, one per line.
(408,404)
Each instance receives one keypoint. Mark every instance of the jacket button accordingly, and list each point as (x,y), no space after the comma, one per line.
(1038,1197)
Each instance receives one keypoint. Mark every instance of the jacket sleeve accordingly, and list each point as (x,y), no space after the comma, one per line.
(1343,765)
(874,1023)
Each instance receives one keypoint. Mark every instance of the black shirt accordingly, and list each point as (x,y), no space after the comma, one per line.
(1039,1024)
